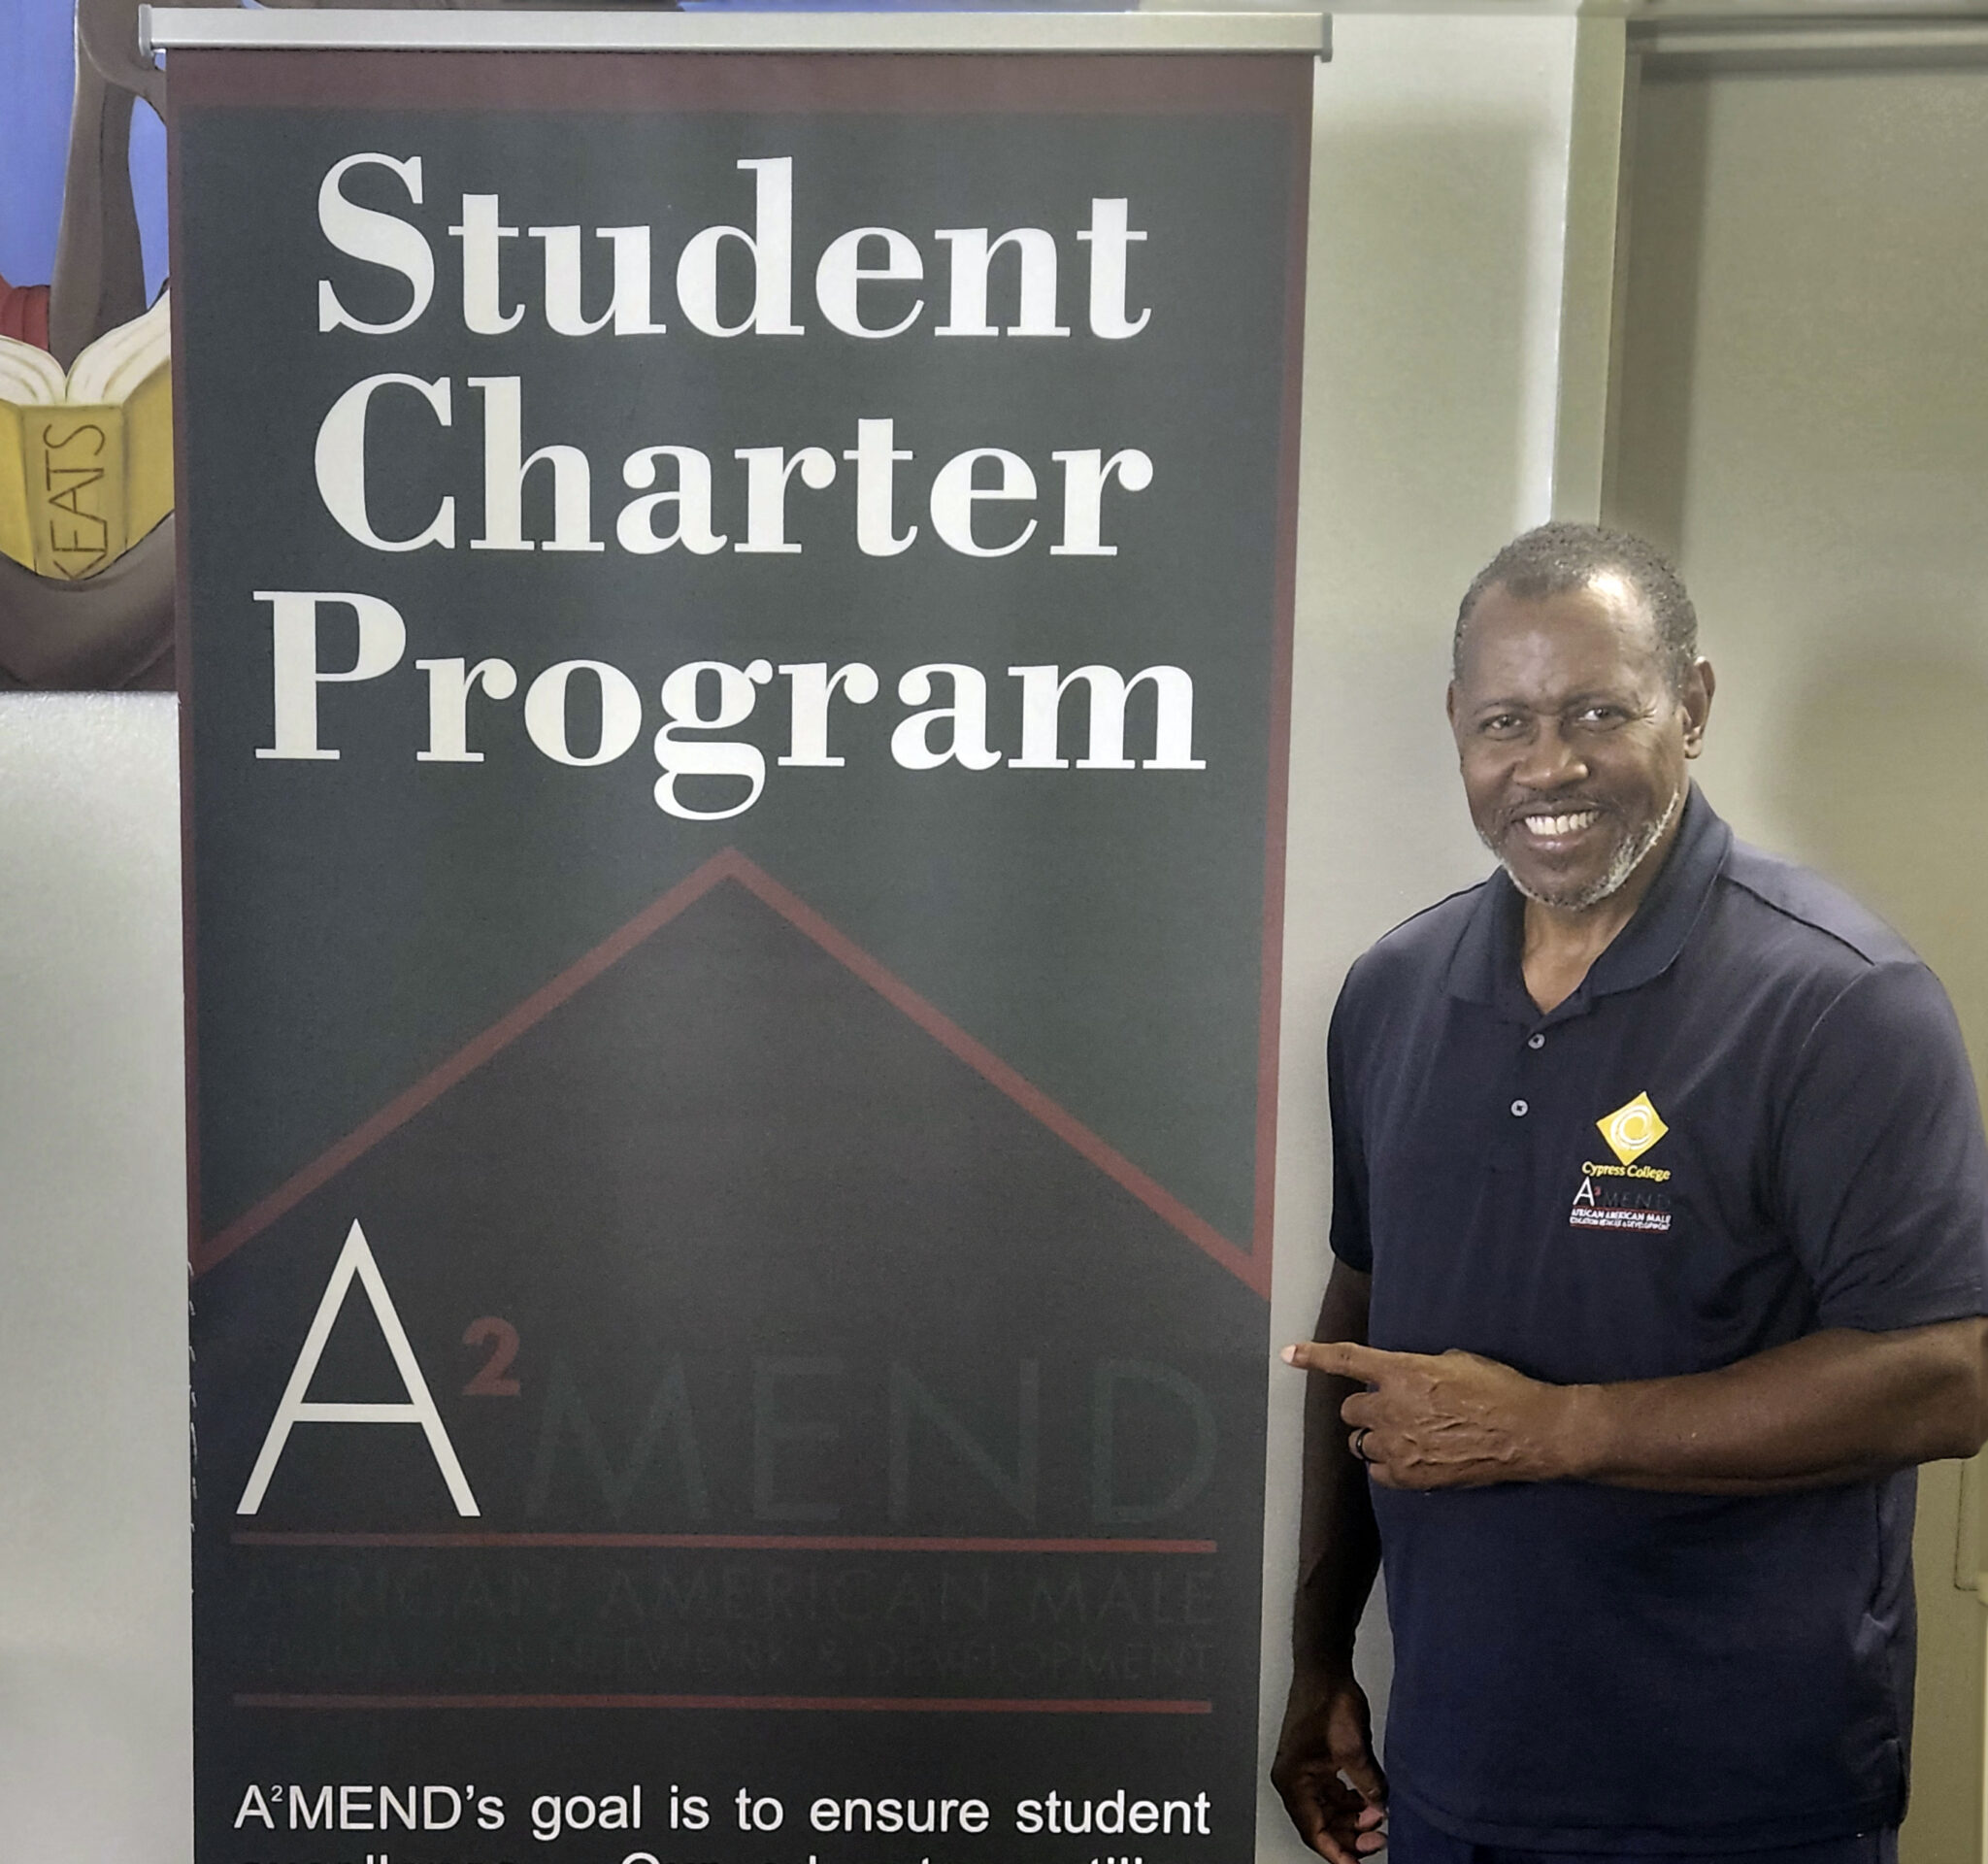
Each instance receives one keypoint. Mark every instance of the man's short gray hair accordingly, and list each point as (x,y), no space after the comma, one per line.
(1555,558)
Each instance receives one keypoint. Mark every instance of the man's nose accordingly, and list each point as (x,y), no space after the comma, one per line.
(1552,761)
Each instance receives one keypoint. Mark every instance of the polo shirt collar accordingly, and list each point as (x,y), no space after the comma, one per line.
(1485,966)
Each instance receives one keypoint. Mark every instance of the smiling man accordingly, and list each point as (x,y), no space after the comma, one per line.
(1661,1232)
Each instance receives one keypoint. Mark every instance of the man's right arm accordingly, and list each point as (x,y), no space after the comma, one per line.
(1327,1730)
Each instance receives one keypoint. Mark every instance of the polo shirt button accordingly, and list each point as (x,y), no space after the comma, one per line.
(1518,1106)
(1536,1041)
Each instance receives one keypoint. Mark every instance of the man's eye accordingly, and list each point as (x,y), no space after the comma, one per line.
(1599,716)
(1501,725)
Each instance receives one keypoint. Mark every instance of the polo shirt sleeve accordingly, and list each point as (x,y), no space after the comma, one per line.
(1350,1240)
(1881,1165)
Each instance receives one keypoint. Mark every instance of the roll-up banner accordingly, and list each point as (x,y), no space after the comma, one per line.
(735,639)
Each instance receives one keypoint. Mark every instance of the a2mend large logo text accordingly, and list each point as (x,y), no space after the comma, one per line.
(788,1425)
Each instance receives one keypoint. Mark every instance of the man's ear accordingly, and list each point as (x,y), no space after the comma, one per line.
(1449,704)
(1697,700)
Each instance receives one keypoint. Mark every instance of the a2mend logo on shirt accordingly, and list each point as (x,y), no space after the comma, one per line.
(1627,1195)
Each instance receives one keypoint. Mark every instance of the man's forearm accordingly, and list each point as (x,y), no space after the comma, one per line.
(1340,1549)
(1834,1407)
(1338,1545)
(1326,1770)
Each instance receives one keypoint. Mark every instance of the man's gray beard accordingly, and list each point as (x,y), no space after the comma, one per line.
(1627,859)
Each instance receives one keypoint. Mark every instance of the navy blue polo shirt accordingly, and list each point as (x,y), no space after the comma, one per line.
(1754,1119)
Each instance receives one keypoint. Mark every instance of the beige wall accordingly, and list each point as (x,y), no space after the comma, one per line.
(94,1694)
(1439,208)
(1803,420)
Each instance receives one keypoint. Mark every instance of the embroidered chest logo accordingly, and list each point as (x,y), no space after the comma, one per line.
(1632,1130)
(1627,1195)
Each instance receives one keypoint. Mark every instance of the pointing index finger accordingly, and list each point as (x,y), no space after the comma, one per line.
(1345,1358)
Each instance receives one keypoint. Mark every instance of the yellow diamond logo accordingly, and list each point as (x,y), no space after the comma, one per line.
(1632,1130)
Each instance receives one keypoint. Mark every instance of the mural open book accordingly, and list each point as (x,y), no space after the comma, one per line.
(86,459)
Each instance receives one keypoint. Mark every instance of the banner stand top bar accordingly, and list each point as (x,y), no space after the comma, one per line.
(215,28)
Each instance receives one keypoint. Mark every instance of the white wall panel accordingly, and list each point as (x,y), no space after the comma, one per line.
(94,1685)
(1439,207)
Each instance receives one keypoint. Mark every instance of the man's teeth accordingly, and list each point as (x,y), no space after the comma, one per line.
(1549,826)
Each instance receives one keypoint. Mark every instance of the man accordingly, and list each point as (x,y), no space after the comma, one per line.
(1661,1226)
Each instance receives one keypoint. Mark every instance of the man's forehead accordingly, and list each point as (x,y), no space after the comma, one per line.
(1617,590)
(1604,624)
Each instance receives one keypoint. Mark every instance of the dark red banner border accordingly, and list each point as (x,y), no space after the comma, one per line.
(755,83)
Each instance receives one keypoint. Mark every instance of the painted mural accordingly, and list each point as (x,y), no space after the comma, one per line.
(87,546)
(86,393)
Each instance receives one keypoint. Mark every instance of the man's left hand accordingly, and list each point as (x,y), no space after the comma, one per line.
(1448,1420)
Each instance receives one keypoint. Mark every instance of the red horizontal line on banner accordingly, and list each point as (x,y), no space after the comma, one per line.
(831,1704)
(724,1543)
